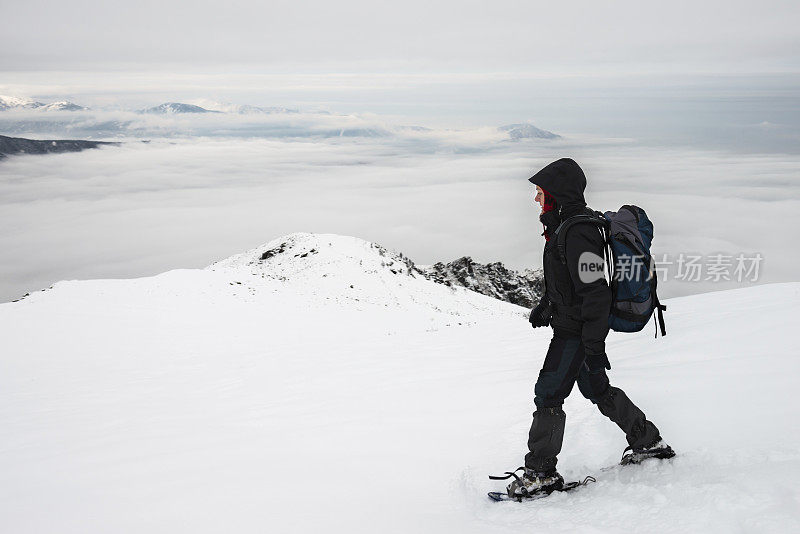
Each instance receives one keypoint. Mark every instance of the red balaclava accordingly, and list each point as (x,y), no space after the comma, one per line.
(549,205)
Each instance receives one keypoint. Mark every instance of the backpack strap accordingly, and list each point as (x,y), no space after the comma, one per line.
(661,309)
(566,224)
(658,308)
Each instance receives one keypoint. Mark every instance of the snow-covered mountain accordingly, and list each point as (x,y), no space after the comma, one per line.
(317,384)
(243,109)
(13,102)
(281,256)
(347,269)
(526,131)
(177,107)
(16,103)
(62,105)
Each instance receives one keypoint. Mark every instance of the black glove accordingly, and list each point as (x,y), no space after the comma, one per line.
(541,314)
(596,362)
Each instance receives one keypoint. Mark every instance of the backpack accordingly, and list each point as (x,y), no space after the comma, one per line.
(627,235)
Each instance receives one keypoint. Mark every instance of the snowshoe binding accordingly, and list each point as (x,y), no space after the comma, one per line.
(659,450)
(531,483)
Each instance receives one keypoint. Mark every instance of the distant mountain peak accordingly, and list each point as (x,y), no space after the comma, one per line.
(527,131)
(14,102)
(63,105)
(177,107)
(243,109)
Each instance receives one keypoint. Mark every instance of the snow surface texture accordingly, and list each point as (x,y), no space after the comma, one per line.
(331,269)
(278,259)
(271,396)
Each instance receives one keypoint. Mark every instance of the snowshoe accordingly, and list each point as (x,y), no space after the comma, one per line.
(532,486)
(659,450)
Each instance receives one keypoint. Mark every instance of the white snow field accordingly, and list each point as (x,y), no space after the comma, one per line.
(271,396)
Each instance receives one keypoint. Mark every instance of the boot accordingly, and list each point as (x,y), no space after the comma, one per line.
(533,483)
(636,455)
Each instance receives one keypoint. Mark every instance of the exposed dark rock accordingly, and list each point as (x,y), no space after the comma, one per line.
(305,254)
(492,279)
(273,251)
(18,145)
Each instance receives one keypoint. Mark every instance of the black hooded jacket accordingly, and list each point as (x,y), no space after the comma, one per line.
(580,309)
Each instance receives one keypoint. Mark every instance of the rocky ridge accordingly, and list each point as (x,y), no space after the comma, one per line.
(492,279)
(19,145)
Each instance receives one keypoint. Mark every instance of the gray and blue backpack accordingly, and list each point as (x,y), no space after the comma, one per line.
(628,234)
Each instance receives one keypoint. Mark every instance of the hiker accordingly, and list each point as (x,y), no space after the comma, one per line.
(577,308)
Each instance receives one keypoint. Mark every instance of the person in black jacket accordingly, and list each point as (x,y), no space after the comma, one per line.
(576,305)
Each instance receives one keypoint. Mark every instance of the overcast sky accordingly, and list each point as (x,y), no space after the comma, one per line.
(569,37)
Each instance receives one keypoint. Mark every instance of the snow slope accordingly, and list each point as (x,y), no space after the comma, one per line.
(270,396)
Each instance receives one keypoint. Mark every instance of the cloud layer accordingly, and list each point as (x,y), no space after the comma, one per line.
(141,209)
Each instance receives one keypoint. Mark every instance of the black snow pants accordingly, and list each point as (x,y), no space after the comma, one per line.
(565,364)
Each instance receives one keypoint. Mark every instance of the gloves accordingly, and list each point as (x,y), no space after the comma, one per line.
(541,314)
(596,362)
